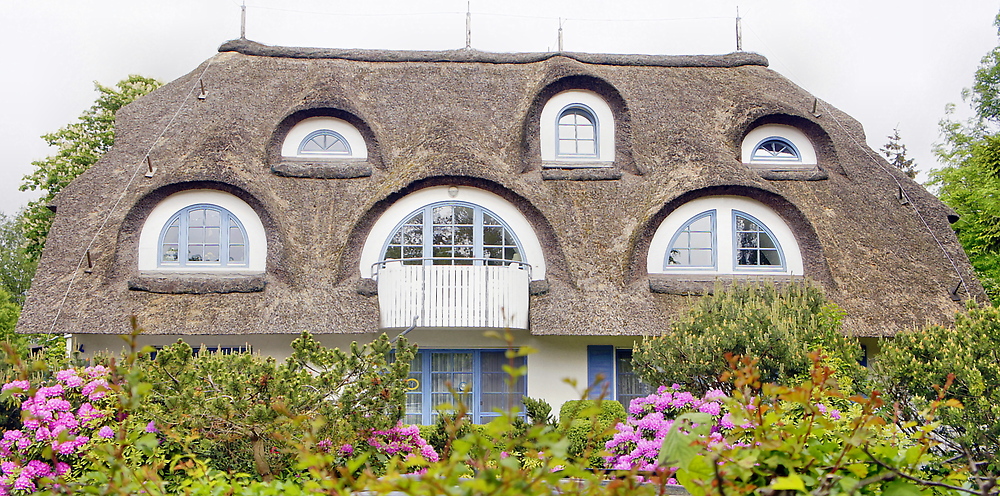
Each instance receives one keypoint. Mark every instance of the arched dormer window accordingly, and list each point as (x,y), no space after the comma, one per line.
(202,231)
(324,142)
(779,145)
(724,235)
(452,225)
(453,233)
(203,234)
(577,133)
(577,128)
(323,137)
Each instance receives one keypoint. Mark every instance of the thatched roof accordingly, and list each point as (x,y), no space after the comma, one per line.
(470,118)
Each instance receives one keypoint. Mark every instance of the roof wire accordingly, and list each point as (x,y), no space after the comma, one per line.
(875,159)
(139,168)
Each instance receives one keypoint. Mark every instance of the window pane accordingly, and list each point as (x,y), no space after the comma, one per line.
(443,235)
(585,147)
(171,235)
(442,252)
(493,236)
(211,253)
(196,217)
(463,215)
(464,236)
(196,235)
(235,235)
(747,257)
(393,252)
(195,254)
(700,240)
(213,218)
(700,258)
(769,257)
(413,235)
(170,252)
(748,240)
(766,241)
(237,253)
(212,235)
(443,215)
(702,224)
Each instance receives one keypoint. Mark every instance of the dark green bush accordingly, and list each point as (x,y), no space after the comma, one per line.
(776,326)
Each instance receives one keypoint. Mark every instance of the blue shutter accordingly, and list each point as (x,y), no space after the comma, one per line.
(600,361)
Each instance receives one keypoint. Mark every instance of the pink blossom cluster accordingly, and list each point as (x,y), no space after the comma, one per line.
(637,441)
(61,416)
(402,440)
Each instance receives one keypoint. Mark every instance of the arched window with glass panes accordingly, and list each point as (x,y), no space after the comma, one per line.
(203,235)
(577,133)
(453,233)
(775,149)
(324,142)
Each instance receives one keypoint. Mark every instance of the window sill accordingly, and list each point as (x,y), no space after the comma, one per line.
(773,172)
(323,169)
(698,284)
(369,287)
(199,283)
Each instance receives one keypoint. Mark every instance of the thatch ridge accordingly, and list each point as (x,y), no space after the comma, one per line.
(735,59)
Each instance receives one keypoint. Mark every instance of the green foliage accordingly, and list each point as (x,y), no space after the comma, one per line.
(588,425)
(914,365)
(79,146)
(784,442)
(235,409)
(895,152)
(969,182)
(16,267)
(777,326)
(538,411)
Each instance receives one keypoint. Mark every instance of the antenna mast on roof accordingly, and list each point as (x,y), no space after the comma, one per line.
(739,31)
(468,25)
(560,36)
(243,21)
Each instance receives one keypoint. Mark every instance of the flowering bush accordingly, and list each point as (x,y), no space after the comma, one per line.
(637,443)
(381,446)
(61,422)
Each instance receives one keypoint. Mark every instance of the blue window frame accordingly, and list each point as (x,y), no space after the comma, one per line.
(775,148)
(618,379)
(577,132)
(324,142)
(476,376)
(693,245)
(453,233)
(754,245)
(203,235)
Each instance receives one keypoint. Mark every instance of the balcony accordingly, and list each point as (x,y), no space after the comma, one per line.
(479,295)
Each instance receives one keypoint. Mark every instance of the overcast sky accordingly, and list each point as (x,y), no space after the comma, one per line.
(888,63)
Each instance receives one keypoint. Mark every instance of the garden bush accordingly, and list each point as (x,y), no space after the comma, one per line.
(914,365)
(778,326)
(588,425)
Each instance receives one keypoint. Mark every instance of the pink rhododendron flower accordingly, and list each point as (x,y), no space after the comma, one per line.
(106,432)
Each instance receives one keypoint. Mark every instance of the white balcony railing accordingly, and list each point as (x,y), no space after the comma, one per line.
(453,295)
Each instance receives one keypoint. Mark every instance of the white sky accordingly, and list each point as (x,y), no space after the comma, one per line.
(885,62)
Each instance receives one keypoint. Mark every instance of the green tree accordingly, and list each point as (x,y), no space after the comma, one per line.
(895,152)
(969,182)
(79,145)
(779,327)
(914,365)
(16,267)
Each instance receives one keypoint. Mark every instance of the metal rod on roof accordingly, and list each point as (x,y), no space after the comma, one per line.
(468,24)
(560,35)
(90,264)
(739,31)
(243,21)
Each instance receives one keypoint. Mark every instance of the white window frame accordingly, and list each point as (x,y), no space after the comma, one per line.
(386,225)
(304,128)
(758,135)
(726,208)
(166,210)
(604,126)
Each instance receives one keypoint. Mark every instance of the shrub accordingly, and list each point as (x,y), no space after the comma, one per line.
(914,365)
(776,326)
(238,406)
(588,425)
(539,411)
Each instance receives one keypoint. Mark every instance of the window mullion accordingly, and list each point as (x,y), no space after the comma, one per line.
(182,237)
(427,250)
(477,382)
(477,235)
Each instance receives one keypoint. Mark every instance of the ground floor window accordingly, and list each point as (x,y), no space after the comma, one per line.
(610,373)
(476,376)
